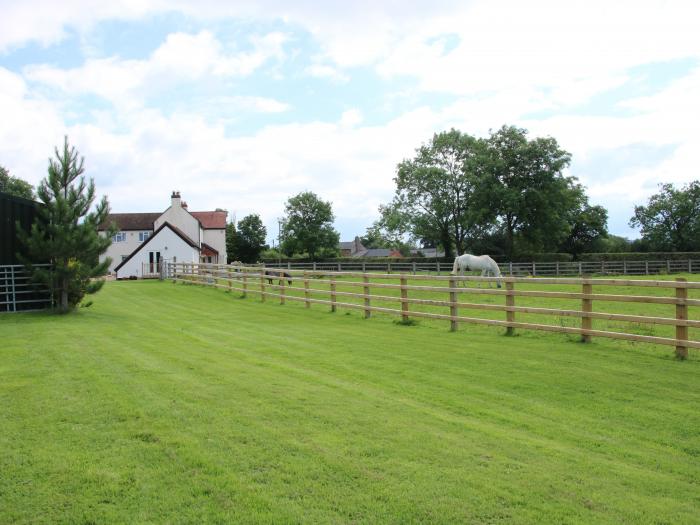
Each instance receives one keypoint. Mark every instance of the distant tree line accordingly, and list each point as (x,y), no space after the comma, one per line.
(507,194)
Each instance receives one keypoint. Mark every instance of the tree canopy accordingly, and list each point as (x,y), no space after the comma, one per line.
(307,227)
(522,185)
(66,232)
(503,193)
(15,185)
(671,219)
(246,242)
(434,191)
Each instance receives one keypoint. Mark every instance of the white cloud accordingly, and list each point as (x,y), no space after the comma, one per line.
(509,60)
(328,72)
(182,57)
(351,118)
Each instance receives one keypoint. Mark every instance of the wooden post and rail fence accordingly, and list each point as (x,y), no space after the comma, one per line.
(325,288)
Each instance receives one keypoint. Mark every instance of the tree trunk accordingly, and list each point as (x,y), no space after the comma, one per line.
(509,239)
(447,245)
(64,296)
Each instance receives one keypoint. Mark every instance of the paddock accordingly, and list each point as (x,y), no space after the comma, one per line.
(664,312)
(165,402)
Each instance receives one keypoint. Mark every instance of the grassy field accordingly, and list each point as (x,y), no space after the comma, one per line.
(165,403)
(320,289)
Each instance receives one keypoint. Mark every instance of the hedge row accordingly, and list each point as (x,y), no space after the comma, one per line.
(523,257)
(640,256)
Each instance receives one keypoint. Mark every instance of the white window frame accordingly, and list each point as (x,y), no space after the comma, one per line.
(143,236)
(119,237)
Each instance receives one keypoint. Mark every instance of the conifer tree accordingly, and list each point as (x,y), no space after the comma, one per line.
(65,233)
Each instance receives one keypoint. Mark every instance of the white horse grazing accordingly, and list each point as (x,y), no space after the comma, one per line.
(477,262)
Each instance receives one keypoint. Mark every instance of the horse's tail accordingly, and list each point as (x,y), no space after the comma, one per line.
(455,266)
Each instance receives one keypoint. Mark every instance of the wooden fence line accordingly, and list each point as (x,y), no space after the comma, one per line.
(276,286)
(624,267)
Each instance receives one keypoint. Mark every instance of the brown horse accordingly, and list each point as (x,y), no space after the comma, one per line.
(278,274)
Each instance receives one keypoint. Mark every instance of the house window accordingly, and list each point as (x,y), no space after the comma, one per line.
(144,235)
(119,237)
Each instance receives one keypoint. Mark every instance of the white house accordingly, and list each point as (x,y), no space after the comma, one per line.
(175,235)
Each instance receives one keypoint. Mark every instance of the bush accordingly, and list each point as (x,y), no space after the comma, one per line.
(640,256)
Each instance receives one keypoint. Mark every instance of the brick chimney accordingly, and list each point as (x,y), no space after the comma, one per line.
(175,199)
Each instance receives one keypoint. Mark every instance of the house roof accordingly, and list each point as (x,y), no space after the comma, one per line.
(211,220)
(166,224)
(381,252)
(208,250)
(130,221)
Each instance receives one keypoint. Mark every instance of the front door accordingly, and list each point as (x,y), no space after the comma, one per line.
(153,262)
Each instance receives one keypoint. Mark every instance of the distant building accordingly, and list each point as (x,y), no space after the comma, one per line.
(382,252)
(356,249)
(352,248)
(143,240)
(429,253)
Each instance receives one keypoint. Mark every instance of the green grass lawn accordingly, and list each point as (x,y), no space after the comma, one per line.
(165,403)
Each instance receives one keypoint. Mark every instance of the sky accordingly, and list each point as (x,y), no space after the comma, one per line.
(241,105)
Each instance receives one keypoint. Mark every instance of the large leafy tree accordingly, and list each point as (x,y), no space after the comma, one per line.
(15,185)
(231,242)
(522,184)
(66,232)
(434,191)
(671,219)
(248,240)
(308,227)
(588,225)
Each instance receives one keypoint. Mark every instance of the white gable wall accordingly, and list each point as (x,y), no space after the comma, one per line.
(217,240)
(169,244)
(180,218)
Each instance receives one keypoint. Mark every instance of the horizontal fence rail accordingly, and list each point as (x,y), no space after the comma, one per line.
(18,293)
(443,298)
(533,269)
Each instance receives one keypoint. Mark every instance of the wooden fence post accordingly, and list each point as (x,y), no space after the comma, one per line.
(230,279)
(510,302)
(262,284)
(368,312)
(586,307)
(681,315)
(438,268)
(453,304)
(282,283)
(307,303)
(333,297)
(245,284)
(404,298)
